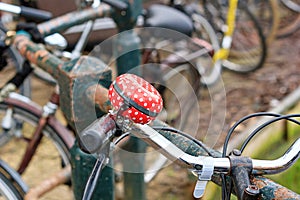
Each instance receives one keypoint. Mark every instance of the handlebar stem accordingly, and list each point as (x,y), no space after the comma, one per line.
(241,168)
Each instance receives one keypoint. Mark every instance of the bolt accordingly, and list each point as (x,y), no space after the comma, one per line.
(236,152)
(252,190)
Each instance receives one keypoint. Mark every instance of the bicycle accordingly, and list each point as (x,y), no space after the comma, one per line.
(174,144)
(137,127)
(59,139)
(234,32)
(248,51)
(204,29)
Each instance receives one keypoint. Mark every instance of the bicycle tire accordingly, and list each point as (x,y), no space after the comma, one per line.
(7,189)
(267,14)
(55,147)
(289,21)
(292,5)
(204,30)
(13,182)
(245,55)
(181,93)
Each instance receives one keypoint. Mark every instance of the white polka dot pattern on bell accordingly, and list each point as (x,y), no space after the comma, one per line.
(143,95)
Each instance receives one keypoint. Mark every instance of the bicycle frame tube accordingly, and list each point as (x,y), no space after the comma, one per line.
(223,52)
(74,18)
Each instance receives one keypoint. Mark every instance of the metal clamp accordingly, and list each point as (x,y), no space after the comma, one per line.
(204,176)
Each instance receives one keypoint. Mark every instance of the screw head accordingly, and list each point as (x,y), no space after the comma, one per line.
(236,152)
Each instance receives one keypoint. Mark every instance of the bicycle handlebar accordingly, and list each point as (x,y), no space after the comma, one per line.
(205,164)
(27,12)
(171,151)
(73,18)
(222,165)
(280,164)
(238,167)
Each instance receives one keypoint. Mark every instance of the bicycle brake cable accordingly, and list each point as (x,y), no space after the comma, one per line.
(277,118)
(230,132)
(92,181)
(286,117)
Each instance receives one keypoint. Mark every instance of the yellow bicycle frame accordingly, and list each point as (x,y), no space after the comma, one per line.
(223,52)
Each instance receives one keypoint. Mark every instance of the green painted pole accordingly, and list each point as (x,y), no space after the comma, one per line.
(128,56)
(82,166)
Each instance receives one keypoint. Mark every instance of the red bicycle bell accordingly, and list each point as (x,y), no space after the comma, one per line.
(142,101)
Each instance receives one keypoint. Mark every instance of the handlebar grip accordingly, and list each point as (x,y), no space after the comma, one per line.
(119,5)
(97,135)
(35,14)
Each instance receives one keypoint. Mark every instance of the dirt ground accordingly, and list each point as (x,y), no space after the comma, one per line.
(245,94)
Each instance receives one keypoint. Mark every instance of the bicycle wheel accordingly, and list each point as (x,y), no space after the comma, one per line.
(248,49)
(204,31)
(267,14)
(174,73)
(293,5)
(180,94)
(7,189)
(12,186)
(52,153)
(289,18)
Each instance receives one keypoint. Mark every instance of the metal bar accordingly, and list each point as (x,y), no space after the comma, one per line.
(174,153)
(38,55)
(280,164)
(74,18)
(81,43)
(10,8)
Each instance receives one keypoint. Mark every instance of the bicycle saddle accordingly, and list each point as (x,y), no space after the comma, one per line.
(166,17)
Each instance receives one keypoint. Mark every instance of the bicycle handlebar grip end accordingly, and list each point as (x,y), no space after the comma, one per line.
(142,102)
(35,14)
